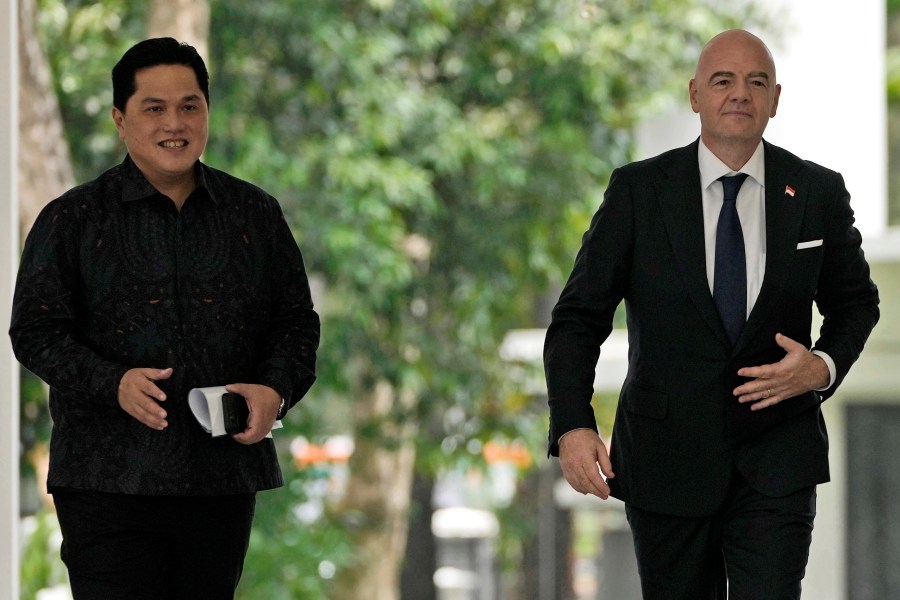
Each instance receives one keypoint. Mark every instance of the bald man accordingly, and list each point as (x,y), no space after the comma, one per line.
(719,250)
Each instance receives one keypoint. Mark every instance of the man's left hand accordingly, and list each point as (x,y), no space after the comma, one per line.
(800,371)
(264,403)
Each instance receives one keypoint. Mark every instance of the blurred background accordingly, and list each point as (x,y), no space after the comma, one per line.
(438,161)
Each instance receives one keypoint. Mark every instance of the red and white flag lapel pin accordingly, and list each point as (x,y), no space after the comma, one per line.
(789,191)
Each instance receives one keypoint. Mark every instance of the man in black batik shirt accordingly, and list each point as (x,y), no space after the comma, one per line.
(160,276)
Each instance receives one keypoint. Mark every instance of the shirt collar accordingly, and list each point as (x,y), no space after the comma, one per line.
(203,182)
(136,187)
(711,167)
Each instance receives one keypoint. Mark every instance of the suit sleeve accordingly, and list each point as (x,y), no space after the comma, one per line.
(582,318)
(846,297)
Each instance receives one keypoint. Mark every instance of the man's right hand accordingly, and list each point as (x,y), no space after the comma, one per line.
(580,453)
(138,396)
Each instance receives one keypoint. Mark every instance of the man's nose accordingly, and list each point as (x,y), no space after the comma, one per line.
(740,92)
(173,121)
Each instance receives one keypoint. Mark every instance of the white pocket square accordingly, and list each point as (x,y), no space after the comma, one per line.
(809,244)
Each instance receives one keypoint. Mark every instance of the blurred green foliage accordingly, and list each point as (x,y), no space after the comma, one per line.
(43,539)
(892,66)
(34,429)
(438,161)
(83,39)
(292,555)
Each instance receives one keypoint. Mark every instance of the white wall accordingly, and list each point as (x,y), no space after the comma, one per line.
(9,254)
(831,62)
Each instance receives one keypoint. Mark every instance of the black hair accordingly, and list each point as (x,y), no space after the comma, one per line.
(150,53)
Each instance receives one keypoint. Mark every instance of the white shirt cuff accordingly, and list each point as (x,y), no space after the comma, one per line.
(832,370)
(570,431)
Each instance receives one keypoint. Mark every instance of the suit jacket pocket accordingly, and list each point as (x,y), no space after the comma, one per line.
(806,266)
(809,244)
(645,402)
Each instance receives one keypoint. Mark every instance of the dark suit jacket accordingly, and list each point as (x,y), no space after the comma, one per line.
(679,432)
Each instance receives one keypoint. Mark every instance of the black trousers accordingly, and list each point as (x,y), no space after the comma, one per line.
(153,547)
(754,548)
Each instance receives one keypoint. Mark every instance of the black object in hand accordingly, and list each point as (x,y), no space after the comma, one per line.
(235,412)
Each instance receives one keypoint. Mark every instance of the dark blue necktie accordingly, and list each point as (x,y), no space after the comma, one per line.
(730,277)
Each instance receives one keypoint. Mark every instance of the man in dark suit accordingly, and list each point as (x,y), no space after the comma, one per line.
(719,439)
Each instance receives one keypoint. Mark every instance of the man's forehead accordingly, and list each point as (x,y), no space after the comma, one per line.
(160,84)
(166,75)
(738,51)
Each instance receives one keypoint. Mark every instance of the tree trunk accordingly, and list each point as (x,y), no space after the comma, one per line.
(45,166)
(420,562)
(547,560)
(376,503)
(184,20)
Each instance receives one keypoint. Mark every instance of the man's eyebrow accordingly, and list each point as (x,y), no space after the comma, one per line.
(717,74)
(154,100)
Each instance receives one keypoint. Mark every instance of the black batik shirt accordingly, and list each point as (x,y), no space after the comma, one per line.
(114,277)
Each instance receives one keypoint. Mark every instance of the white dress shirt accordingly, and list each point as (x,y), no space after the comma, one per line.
(751,208)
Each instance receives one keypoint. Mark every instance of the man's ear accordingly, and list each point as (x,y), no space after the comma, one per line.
(775,101)
(692,92)
(119,119)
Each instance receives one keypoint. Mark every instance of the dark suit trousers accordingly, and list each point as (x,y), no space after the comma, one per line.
(153,547)
(755,548)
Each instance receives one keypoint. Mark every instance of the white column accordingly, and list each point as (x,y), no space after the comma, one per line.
(9,255)
(830,58)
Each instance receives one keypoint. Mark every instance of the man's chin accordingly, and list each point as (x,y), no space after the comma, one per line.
(739,135)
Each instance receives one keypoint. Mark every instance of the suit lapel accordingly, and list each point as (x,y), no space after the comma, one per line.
(681,204)
(786,197)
